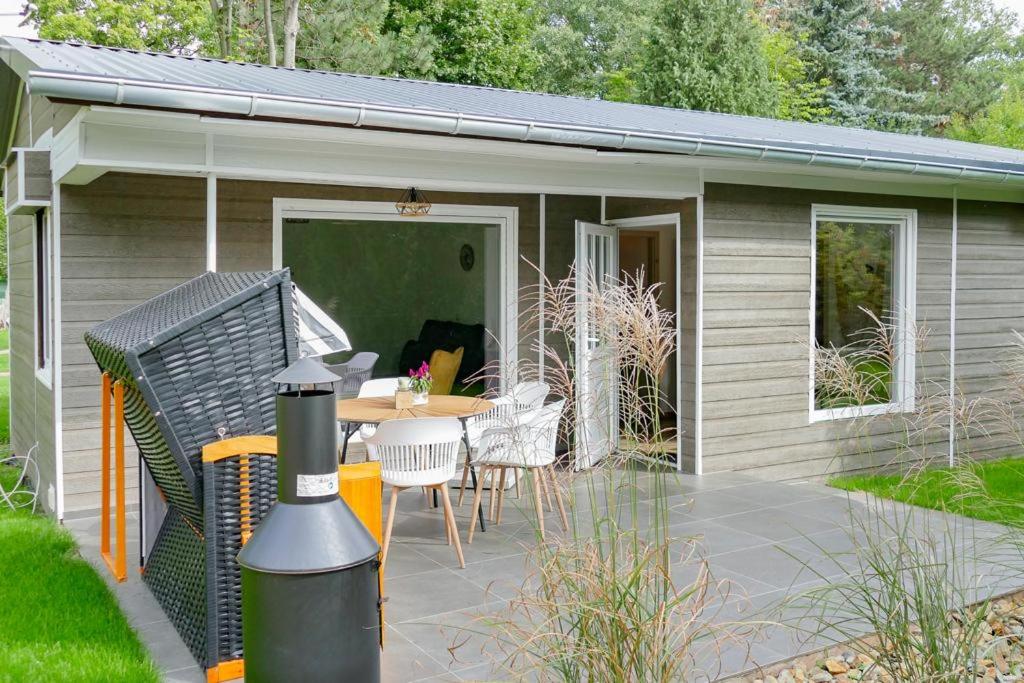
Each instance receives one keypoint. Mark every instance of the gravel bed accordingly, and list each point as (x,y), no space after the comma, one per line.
(1000,656)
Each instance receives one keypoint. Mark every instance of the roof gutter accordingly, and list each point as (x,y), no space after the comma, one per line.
(143,93)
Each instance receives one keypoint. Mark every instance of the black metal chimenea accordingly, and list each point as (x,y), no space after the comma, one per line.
(310,598)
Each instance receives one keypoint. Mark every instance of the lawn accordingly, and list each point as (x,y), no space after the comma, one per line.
(58,620)
(996,494)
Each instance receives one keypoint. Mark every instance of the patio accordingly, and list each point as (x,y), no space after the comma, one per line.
(751,532)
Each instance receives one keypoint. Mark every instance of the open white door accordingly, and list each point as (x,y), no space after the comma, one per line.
(597,264)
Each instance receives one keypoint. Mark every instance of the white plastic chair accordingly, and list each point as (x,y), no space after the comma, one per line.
(529,446)
(384,386)
(353,373)
(418,452)
(507,412)
(532,394)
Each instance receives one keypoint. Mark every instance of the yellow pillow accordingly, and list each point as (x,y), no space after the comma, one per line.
(443,368)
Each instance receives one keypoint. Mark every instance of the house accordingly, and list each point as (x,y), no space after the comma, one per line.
(129,172)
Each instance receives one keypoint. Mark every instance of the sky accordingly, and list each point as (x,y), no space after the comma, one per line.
(10,15)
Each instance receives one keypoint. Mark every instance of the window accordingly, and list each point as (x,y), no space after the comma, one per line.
(43,250)
(862,303)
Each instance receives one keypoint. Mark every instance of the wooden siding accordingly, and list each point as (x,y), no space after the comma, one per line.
(32,413)
(756,370)
(989,308)
(124,239)
(623,207)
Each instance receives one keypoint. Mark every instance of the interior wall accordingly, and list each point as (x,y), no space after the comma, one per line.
(380,280)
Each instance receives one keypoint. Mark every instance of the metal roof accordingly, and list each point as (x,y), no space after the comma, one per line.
(119,76)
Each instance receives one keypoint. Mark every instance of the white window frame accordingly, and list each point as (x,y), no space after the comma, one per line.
(43,328)
(505,217)
(905,290)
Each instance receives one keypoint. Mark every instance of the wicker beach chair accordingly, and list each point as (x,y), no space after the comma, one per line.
(195,364)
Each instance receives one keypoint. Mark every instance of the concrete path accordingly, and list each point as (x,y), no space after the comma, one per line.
(751,533)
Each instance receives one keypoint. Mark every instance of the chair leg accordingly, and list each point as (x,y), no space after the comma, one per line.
(452,529)
(465,478)
(537,503)
(494,493)
(426,496)
(477,495)
(387,527)
(501,494)
(558,497)
(547,492)
(447,526)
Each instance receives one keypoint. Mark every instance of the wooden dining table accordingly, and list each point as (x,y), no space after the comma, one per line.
(355,412)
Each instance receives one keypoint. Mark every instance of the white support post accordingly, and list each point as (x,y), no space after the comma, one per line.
(698,371)
(211,223)
(952,334)
(541,265)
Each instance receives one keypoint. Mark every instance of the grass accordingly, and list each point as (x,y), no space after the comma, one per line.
(58,620)
(996,496)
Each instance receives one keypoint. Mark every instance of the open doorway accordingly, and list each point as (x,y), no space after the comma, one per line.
(649,253)
(647,247)
(404,288)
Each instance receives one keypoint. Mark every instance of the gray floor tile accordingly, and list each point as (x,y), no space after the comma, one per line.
(714,538)
(434,592)
(711,505)
(776,525)
(405,559)
(458,640)
(780,566)
(402,661)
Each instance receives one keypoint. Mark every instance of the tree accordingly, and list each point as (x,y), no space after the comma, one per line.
(176,26)
(953,52)
(1000,124)
(590,48)
(706,54)
(844,45)
(291,31)
(479,42)
(350,35)
(799,98)
(268,27)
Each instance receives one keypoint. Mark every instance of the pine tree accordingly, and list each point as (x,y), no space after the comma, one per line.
(707,55)
(954,52)
(844,43)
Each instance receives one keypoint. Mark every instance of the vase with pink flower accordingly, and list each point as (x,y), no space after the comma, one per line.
(420,382)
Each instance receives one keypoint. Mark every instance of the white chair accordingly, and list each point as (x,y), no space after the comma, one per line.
(529,446)
(532,394)
(353,373)
(384,386)
(418,452)
(507,412)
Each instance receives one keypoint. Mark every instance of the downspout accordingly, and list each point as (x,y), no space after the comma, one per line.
(77,87)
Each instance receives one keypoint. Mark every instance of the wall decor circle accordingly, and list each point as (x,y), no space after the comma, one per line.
(467,257)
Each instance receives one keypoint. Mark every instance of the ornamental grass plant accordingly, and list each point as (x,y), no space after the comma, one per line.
(616,597)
